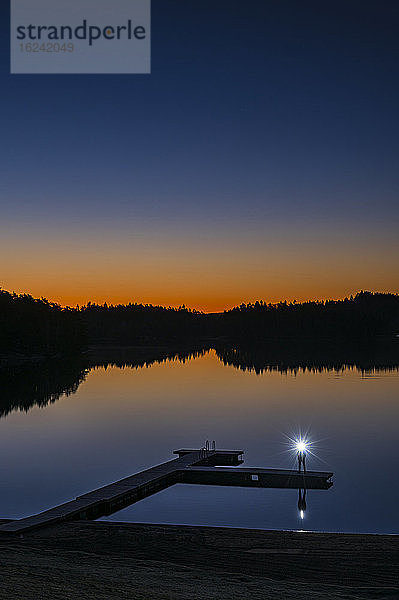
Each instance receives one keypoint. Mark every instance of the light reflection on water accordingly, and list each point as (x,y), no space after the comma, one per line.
(121,420)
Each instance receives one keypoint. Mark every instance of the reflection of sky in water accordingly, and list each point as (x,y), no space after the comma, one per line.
(121,421)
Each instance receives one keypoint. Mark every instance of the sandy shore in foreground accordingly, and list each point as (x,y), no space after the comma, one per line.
(103,561)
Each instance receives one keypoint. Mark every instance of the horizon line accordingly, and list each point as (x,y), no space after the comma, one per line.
(193,309)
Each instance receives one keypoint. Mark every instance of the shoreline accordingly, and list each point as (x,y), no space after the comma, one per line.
(105,560)
(233,528)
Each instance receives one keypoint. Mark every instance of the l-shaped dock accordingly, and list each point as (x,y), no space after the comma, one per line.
(202,467)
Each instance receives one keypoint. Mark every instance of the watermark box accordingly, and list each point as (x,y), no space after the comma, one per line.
(80,36)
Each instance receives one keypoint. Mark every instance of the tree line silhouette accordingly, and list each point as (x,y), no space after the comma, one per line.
(36,326)
(366,315)
(139,324)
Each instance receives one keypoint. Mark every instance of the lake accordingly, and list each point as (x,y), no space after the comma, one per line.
(67,430)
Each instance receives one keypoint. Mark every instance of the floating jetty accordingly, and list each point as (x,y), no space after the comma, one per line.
(203,467)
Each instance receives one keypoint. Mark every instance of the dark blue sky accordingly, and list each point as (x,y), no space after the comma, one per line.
(256,113)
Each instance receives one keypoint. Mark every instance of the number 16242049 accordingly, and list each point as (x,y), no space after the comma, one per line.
(47,47)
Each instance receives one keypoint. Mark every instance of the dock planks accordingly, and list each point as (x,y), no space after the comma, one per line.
(191,466)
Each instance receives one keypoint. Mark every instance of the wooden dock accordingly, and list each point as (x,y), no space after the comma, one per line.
(259,478)
(192,466)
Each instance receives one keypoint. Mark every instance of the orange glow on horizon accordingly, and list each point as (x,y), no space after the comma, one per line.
(215,305)
(209,276)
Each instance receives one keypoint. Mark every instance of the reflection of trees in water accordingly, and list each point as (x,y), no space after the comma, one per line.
(39,384)
(137,358)
(291,357)
(45,382)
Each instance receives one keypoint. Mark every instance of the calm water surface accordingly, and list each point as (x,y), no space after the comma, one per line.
(121,420)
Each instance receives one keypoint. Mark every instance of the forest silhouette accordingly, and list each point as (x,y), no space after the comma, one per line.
(32,326)
(46,350)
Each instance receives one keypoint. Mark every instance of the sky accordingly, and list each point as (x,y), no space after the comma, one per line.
(258,160)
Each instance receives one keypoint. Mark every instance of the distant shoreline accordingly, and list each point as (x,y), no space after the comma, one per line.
(289,347)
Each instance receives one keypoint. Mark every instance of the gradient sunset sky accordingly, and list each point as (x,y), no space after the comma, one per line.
(259,160)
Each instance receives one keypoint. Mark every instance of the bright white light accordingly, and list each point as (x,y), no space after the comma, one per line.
(302,514)
(301,446)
